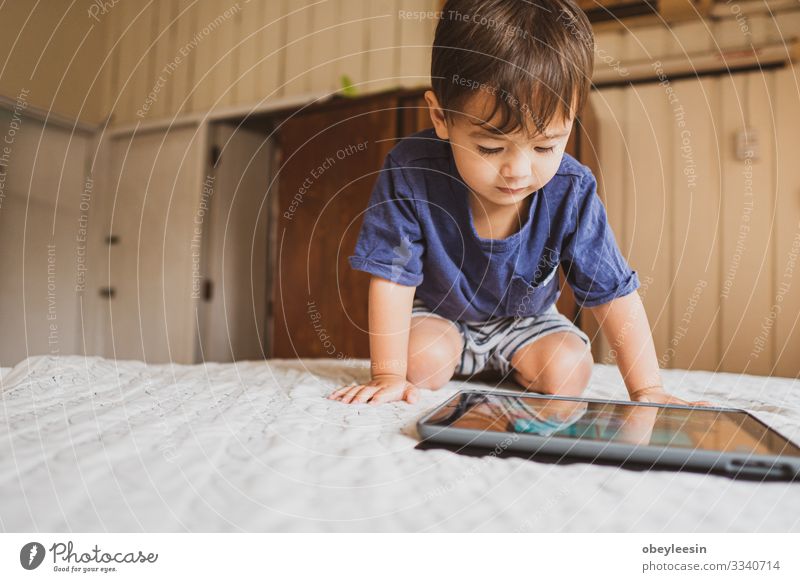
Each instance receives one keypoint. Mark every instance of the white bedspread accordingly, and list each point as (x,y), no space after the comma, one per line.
(88,444)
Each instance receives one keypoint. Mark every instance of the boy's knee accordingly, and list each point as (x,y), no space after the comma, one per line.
(434,349)
(565,371)
(432,368)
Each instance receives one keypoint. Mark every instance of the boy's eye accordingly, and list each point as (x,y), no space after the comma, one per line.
(489,151)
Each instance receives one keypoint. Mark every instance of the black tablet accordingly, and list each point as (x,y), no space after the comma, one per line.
(713,439)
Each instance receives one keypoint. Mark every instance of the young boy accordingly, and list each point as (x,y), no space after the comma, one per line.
(469,221)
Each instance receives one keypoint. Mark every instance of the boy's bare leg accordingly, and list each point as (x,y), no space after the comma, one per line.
(559,364)
(434,351)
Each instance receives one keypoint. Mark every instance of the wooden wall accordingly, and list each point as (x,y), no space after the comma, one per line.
(714,238)
(55,51)
(188,56)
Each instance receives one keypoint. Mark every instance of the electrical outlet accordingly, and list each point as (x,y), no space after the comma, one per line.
(747,146)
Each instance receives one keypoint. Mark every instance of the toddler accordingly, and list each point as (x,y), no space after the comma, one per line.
(470,220)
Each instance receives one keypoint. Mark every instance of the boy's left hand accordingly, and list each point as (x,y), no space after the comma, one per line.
(657,395)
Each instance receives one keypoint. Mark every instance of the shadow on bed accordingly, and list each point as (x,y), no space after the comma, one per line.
(492,377)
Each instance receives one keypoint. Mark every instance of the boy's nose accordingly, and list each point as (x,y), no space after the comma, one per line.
(516,169)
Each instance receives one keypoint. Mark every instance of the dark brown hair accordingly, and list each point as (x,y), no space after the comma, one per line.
(535,57)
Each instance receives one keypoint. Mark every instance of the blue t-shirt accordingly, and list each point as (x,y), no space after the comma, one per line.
(418,231)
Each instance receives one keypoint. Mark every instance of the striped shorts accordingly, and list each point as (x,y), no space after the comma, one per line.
(490,344)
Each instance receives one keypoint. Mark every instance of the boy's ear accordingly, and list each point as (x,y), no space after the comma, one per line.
(437,115)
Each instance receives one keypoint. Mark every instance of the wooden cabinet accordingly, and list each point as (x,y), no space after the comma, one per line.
(45,200)
(150,236)
(329,163)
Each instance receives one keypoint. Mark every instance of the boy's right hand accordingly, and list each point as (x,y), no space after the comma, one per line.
(377,391)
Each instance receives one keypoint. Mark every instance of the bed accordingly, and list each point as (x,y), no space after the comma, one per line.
(91,444)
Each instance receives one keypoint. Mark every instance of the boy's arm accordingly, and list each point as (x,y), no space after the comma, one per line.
(389,323)
(624,323)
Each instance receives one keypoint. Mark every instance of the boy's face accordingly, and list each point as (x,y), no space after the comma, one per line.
(502,169)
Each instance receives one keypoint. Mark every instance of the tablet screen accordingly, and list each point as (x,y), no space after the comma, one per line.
(695,428)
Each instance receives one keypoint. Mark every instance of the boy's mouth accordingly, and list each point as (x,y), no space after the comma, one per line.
(512,190)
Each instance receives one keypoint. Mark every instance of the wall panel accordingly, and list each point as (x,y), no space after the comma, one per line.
(747,190)
(648,187)
(787,222)
(696,202)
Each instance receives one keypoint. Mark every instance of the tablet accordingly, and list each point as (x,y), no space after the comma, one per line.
(725,440)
